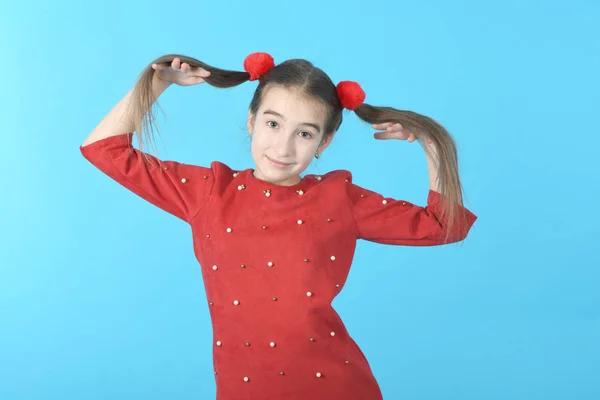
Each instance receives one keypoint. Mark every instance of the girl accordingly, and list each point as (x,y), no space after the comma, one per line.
(275,248)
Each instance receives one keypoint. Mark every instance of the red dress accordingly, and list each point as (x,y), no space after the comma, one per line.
(273,258)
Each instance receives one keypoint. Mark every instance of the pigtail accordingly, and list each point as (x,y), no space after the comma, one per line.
(454,215)
(143,100)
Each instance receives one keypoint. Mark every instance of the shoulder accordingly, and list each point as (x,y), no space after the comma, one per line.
(332,177)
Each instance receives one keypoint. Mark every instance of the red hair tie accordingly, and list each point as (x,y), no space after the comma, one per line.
(258,64)
(351,94)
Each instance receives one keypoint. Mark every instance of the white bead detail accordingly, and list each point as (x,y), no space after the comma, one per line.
(384,201)
(318,374)
(241,187)
(235,302)
(270,263)
(272,344)
(219,343)
(318,178)
(309,294)
(268,194)
(215,267)
(332,258)
(246,379)
(235,174)
(183,180)
(228,230)
(332,334)
(300,192)
(299,222)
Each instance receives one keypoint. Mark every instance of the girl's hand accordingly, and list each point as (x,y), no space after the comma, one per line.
(394,131)
(180,74)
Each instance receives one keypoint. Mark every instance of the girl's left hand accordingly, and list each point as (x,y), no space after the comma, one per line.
(394,131)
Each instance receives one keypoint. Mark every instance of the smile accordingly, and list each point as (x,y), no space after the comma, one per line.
(277,163)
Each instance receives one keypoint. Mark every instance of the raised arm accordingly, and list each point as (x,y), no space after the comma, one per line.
(177,188)
(120,119)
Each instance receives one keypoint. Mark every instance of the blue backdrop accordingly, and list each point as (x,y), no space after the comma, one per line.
(101,296)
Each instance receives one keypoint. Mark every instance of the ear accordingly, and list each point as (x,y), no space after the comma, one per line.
(250,122)
(325,142)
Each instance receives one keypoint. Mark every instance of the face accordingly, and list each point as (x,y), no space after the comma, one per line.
(286,132)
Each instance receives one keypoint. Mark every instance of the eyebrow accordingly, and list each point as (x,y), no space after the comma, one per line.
(275,113)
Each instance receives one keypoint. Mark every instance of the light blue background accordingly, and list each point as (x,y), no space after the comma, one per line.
(101,296)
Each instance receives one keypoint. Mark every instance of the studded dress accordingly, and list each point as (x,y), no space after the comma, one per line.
(273,258)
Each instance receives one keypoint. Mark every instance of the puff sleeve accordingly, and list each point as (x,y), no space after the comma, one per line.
(179,189)
(399,222)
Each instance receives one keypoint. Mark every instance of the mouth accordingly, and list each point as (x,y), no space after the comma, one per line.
(277,163)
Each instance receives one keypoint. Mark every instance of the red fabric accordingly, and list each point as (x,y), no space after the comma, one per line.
(350,94)
(258,64)
(264,229)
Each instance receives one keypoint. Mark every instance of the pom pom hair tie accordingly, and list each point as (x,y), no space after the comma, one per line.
(258,64)
(350,93)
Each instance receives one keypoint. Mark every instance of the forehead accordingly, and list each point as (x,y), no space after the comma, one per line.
(293,104)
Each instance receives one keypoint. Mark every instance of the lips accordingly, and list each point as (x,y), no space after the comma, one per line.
(277,163)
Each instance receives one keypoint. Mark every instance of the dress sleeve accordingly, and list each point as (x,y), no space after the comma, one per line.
(399,222)
(179,189)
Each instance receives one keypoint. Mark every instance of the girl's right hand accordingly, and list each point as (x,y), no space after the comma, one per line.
(180,74)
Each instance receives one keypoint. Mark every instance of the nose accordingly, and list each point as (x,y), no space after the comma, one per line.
(284,146)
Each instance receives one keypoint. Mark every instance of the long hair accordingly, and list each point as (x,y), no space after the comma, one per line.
(315,83)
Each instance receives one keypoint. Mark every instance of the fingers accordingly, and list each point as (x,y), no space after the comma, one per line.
(385,125)
(385,135)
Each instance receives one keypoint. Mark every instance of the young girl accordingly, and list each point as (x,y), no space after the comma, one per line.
(275,248)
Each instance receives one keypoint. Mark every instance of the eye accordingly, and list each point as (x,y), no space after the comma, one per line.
(271,123)
(306,135)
